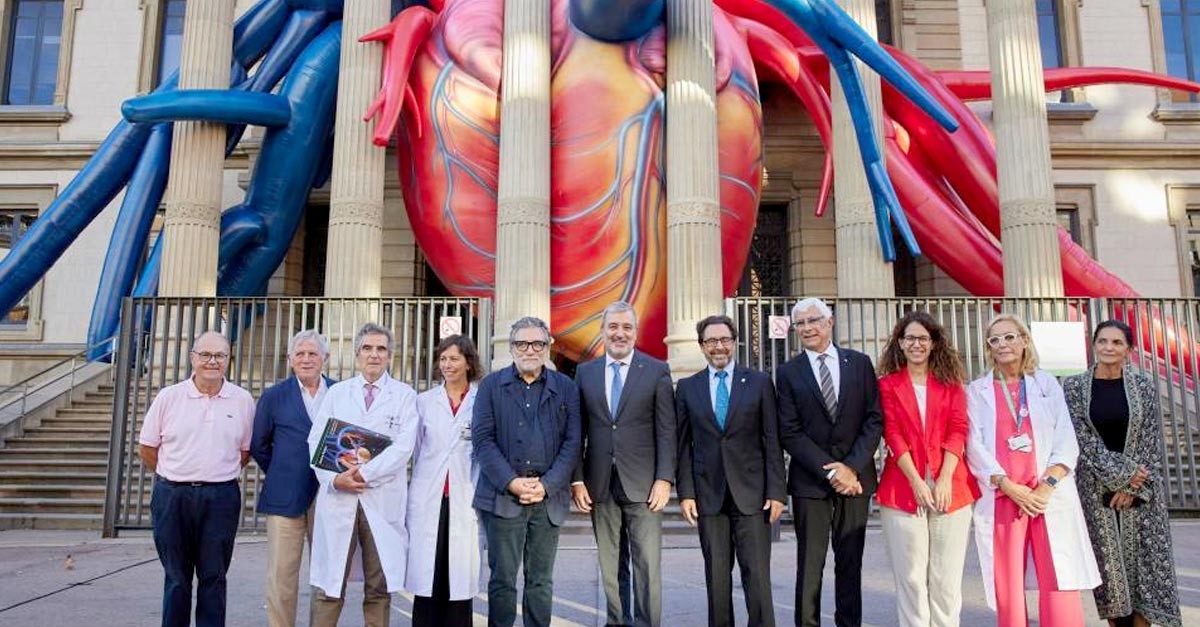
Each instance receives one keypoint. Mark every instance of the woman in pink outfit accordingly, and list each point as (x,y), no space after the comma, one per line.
(1022,450)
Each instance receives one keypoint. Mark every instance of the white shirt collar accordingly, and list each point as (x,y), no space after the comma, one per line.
(379,383)
(830,350)
(608,360)
(320,385)
(712,372)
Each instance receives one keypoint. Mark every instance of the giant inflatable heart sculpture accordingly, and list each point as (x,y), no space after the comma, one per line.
(608,202)
(442,71)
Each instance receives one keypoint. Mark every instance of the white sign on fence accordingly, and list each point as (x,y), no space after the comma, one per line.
(778,326)
(1061,346)
(450,325)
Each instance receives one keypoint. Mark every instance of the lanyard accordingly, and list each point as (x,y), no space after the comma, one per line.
(1021,411)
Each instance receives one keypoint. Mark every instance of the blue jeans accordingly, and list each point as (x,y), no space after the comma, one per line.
(194,529)
(530,539)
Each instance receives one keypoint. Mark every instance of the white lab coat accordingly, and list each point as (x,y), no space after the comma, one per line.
(393,413)
(443,446)
(1054,443)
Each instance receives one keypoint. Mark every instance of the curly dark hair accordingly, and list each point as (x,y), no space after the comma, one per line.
(944,362)
(467,348)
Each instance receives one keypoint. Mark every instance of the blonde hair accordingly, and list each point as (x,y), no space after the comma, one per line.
(1029,358)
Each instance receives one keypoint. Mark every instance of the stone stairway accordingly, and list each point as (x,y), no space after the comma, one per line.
(52,476)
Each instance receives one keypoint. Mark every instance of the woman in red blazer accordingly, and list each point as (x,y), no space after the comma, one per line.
(926,490)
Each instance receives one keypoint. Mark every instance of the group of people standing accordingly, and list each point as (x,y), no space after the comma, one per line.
(1071,480)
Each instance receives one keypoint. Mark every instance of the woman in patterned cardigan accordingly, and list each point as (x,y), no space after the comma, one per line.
(1116,415)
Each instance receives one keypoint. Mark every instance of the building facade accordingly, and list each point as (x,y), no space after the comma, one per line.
(1125,160)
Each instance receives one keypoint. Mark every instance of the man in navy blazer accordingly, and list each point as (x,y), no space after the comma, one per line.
(731,476)
(830,423)
(280,447)
(526,438)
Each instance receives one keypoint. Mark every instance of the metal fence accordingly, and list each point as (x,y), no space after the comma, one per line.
(1165,351)
(155,338)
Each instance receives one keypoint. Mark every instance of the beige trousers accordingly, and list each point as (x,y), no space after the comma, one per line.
(286,539)
(377,602)
(927,551)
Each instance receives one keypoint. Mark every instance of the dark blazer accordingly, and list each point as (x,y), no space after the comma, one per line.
(746,457)
(279,445)
(496,426)
(641,440)
(813,438)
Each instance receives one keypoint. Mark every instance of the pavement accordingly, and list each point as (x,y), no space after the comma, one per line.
(75,579)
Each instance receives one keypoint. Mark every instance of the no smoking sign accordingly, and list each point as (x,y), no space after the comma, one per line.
(777,327)
(449,325)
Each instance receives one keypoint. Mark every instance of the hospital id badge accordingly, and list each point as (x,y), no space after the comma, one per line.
(465,433)
(1020,443)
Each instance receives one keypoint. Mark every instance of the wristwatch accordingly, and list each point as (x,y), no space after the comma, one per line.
(1050,480)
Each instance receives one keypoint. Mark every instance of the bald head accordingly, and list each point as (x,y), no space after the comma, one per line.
(210,341)
(210,360)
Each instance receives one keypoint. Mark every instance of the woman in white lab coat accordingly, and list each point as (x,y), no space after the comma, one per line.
(444,553)
(1022,450)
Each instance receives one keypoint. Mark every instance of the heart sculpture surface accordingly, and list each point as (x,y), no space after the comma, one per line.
(608,193)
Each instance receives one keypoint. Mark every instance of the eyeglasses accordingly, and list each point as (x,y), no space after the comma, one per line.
(916,340)
(1008,338)
(206,356)
(521,346)
(808,322)
(714,342)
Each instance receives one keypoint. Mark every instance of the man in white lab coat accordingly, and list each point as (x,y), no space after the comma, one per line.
(363,507)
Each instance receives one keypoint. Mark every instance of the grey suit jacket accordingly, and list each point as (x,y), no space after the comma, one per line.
(640,440)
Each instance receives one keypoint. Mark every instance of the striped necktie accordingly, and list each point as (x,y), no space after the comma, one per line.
(827,391)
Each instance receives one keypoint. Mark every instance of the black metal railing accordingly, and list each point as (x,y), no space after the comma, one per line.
(1166,350)
(156,335)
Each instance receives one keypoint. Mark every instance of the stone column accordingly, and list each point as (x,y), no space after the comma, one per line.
(353,262)
(1028,229)
(693,187)
(193,198)
(354,248)
(861,270)
(523,192)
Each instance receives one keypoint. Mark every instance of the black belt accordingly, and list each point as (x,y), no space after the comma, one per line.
(194,484)
(531,474)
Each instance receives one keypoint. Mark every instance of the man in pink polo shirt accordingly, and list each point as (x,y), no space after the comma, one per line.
(196,438)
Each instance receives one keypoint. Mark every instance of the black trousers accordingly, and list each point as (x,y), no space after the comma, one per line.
(722,535)
(842,521)
(438,610)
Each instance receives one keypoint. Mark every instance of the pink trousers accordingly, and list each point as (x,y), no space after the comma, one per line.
(1015,537)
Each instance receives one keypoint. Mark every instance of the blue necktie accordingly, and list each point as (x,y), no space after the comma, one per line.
(722,409)
(614,394)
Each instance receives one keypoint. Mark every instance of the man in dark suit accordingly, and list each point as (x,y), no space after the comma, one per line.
(280,446)
(526,437)
(731,477)
(830,423)
(628,466)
